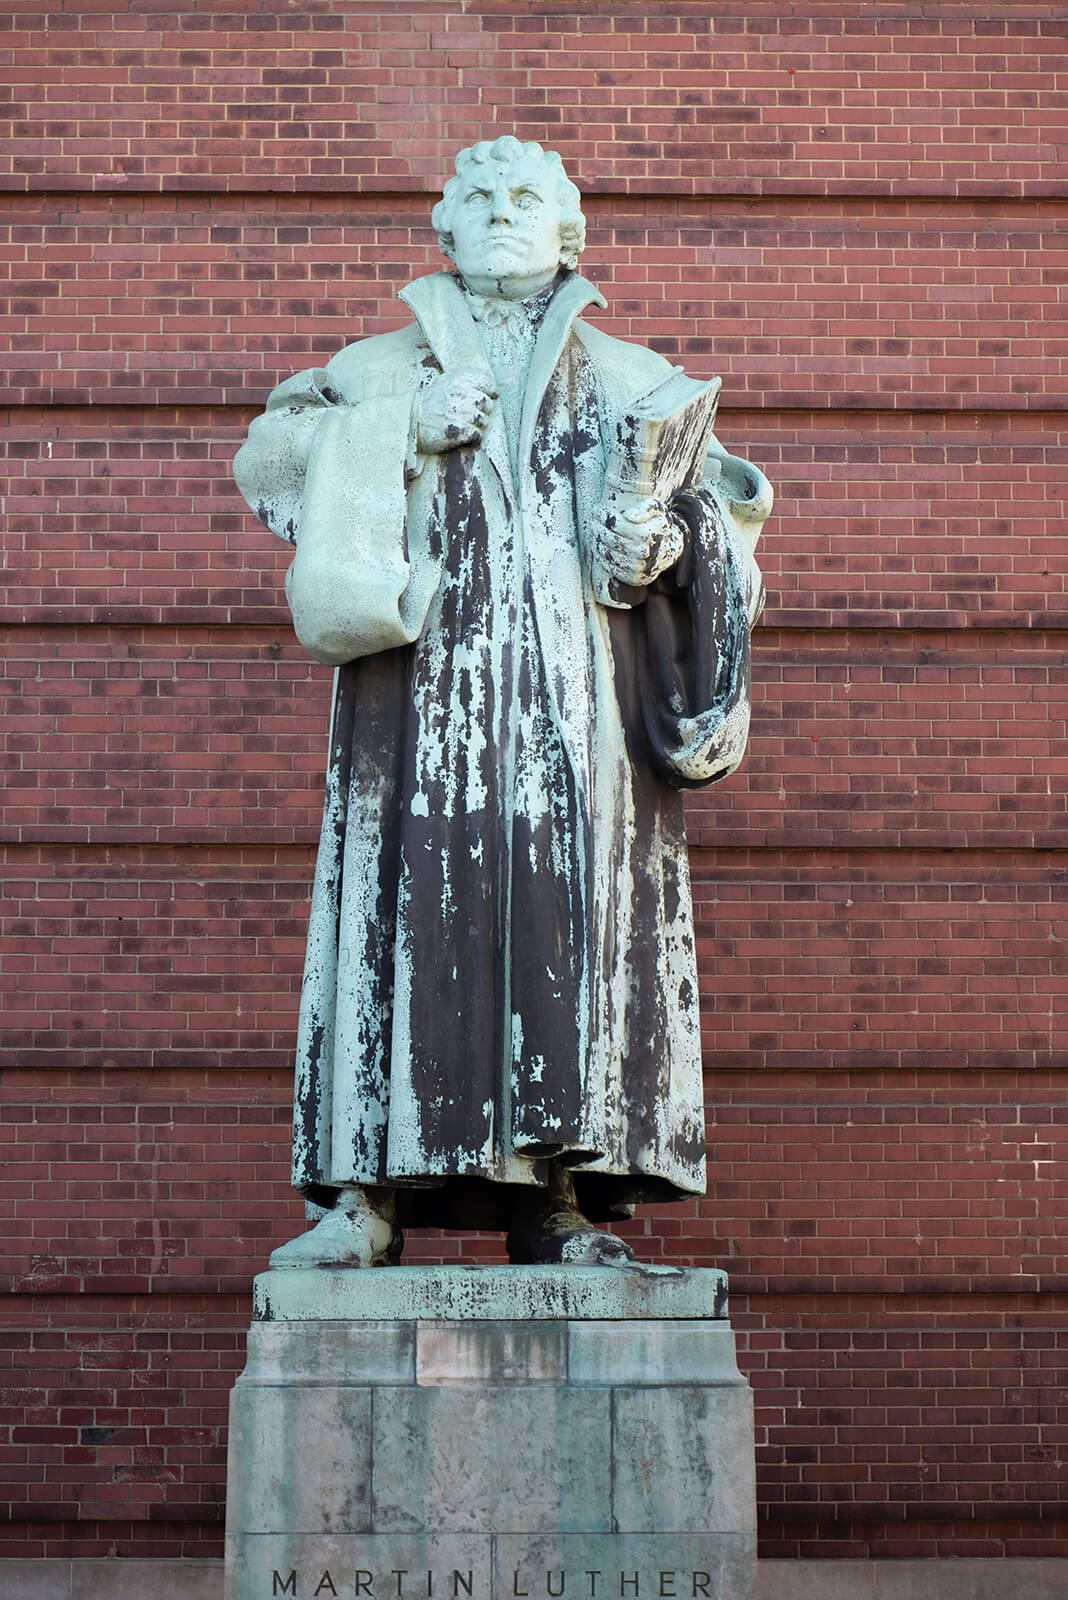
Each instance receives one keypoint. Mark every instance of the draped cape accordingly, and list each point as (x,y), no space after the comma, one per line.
(500,964)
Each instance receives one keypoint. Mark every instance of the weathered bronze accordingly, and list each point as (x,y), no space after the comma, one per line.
(530,561)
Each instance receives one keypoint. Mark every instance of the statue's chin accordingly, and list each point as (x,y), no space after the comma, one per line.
(507,282)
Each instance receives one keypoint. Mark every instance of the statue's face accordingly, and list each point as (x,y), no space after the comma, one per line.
(506,226)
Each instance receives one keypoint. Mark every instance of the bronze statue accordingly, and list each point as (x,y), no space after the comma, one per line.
(499,1018)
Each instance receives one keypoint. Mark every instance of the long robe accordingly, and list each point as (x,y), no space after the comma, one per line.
(500,965)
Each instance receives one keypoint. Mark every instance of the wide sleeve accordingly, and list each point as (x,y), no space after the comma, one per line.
(743,491)
(270,466)
(332,475)
(693,643)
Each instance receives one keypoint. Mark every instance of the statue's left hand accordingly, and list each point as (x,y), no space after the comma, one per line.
(635,544)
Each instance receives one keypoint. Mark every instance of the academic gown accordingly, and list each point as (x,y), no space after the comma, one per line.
(500,964)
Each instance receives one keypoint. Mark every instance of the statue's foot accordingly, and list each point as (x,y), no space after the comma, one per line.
(358,1232)
(557,1233)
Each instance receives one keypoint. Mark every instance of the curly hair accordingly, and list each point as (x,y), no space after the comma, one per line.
(509,149)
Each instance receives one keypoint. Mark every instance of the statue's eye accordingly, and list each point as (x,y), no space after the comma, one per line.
(528,200)
(478,197)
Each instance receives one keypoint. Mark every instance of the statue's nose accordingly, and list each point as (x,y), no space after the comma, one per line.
(502,209)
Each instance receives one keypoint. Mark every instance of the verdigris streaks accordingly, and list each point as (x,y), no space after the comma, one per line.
(500,993)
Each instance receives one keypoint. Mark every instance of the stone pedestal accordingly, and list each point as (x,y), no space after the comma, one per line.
(411,1433)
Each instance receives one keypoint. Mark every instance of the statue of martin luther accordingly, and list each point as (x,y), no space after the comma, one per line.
(499,1015)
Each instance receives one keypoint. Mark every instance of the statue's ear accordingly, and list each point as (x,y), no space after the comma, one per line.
(439,221)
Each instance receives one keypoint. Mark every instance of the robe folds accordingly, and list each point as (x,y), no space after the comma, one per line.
(500,965)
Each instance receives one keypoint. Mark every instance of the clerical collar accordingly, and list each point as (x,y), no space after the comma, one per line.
(496,312)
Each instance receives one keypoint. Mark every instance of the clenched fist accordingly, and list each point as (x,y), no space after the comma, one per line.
(636,542)
(454,411)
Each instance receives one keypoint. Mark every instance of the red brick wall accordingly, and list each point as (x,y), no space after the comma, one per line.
(850,211)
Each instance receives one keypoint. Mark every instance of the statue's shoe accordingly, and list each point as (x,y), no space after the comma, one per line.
(353,1234)
(561,1234)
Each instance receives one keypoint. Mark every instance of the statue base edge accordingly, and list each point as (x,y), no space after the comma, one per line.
(526,1293)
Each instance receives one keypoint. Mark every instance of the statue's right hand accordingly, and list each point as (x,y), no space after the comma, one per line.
(454,411)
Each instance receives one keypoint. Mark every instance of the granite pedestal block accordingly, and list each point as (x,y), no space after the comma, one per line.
(500,1433)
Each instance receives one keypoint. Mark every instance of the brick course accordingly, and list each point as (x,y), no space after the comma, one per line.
(854,213)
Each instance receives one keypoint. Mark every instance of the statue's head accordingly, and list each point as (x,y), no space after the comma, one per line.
(511,217)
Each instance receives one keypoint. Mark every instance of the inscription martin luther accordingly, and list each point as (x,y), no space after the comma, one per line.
(591,1583)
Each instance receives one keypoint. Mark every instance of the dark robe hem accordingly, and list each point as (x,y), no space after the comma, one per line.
(481,1204)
